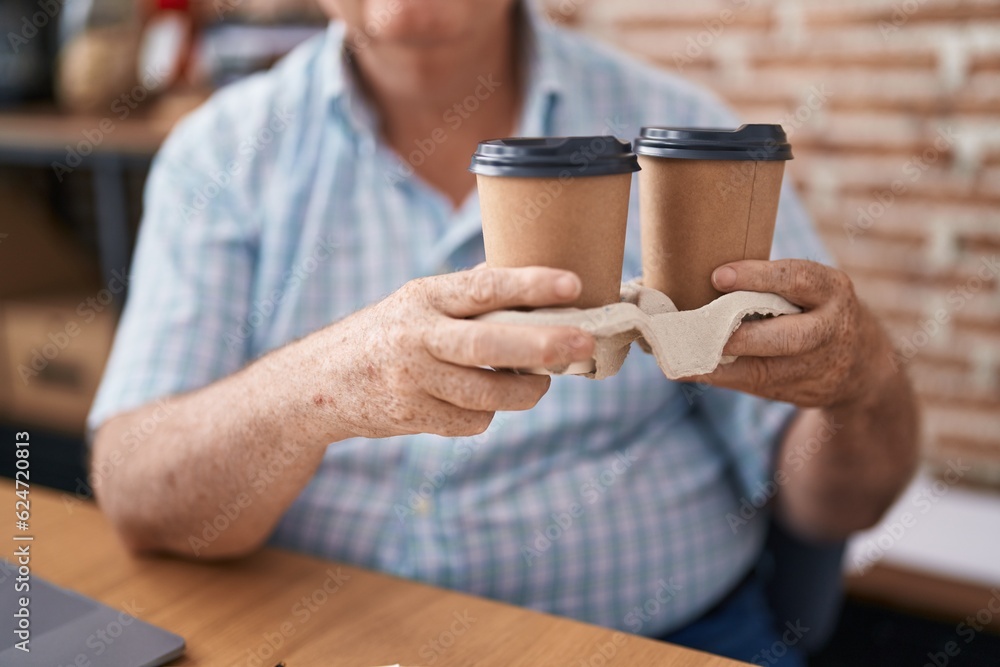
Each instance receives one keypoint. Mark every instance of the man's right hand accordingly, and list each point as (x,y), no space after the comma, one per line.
(413,363)
(408,364)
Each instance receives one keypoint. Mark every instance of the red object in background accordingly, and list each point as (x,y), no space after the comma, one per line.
(168,38)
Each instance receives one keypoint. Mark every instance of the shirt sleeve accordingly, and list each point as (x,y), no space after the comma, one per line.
(184,322)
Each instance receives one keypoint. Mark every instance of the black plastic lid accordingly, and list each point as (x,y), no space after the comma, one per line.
(554,157)
(760,143)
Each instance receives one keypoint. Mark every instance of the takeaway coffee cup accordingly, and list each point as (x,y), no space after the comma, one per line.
(559,202)
(706,197)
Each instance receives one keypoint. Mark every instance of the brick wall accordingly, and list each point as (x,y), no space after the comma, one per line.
(893,108)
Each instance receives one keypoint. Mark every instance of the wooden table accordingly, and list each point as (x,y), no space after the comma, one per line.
(317,613)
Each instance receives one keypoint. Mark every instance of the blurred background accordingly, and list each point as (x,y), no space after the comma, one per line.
(892,107)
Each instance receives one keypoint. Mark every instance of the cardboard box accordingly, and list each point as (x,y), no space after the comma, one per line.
(53,353)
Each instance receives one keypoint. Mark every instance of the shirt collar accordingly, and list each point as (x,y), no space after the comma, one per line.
(333,66)
(338,83)
(543,86)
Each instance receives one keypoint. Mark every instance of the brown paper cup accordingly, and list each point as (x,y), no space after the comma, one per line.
(699,214)
(560,202)
(577,224)
(706,197)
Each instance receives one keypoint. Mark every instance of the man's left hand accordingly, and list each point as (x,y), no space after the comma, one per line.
(834,353)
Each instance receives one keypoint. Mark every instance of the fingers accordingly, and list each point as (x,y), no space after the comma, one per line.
(469,343)
(781,379)
(483,390)
(804,283)
(445,419)
(469,293)
(788,336)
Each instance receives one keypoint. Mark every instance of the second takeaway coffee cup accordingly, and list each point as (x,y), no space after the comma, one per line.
(706,197)
(559,202)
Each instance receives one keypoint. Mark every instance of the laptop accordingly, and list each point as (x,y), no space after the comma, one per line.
(69,630)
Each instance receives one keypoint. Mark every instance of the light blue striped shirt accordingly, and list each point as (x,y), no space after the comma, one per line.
(276,209)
